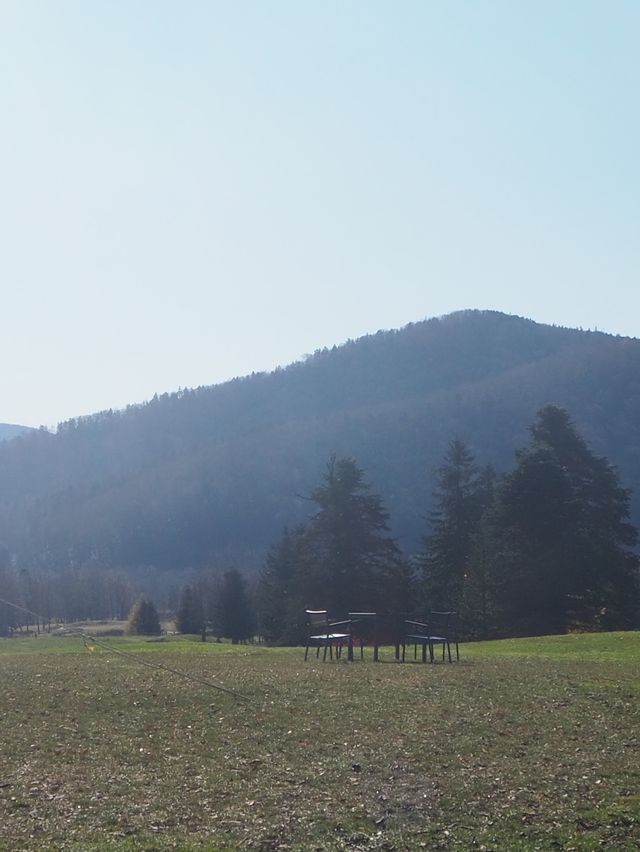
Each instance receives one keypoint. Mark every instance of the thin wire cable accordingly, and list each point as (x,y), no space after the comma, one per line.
(128,655)
(131,656)
(24,609)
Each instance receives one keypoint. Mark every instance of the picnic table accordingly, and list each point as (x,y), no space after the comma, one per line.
(373,629)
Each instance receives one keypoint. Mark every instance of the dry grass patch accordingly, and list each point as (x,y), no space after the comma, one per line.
(497,752)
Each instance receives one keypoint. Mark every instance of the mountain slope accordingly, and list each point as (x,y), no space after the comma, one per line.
(11,430)
(212,475)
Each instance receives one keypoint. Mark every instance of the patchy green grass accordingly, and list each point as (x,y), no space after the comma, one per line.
(621,647)
(523,745)
(65,643)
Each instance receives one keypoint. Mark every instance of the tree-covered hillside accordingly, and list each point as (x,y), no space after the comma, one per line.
(211,476)
(11,430)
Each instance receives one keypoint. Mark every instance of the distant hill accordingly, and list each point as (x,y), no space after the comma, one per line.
(10,430)
(211,475)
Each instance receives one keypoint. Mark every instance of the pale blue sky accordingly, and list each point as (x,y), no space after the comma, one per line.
(191,190)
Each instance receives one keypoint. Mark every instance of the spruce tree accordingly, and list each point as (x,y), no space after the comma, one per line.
(565,537)
(343,560)
(280,600)
(447,550)
(348,542)
(190,615)
(143,619)
(236,616)
(478,606)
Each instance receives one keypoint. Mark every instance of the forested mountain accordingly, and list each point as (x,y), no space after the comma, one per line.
(10,430)
(209,477)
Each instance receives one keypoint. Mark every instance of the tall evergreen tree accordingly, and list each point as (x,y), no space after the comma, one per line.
(566,541)
(236,615)
(190,615)
(348,541)
(143,619)
(448,548)
(280,598)
(479,588)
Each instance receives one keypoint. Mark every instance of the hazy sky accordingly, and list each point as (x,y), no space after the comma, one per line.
(191,190)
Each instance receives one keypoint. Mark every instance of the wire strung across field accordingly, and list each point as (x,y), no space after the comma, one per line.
(91,640)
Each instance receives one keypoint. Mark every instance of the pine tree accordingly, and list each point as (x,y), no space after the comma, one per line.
(236,616)
(343,560)
(143,619)
(447,550)
(479,588)
(190,616)
(280,601)
(566,541)
(348,542)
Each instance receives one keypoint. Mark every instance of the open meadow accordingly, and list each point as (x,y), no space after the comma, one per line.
(523,744)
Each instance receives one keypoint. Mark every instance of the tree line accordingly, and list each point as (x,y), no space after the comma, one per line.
(79,593)
(544,548)
(210,476)
(222,605)
(217,605)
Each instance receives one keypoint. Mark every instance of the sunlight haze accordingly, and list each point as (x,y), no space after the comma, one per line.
(195,191)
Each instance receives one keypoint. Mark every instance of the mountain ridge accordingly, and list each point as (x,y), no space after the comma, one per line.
(8,431)
(214,473)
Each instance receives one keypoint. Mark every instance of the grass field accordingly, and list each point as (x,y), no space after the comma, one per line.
(524,744)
